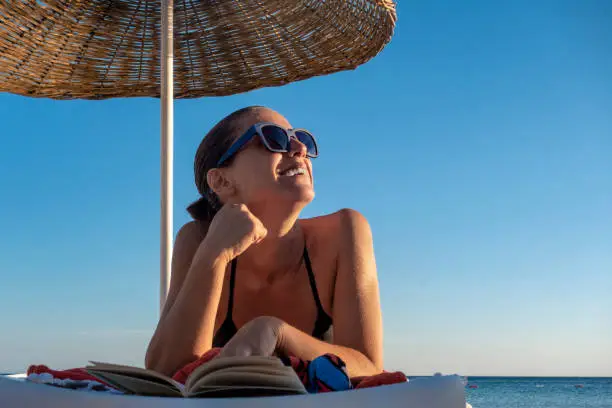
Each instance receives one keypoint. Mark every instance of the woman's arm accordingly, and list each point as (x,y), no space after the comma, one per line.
(297,343)
(186,244)
(185,329)
(186,324)
(356,305)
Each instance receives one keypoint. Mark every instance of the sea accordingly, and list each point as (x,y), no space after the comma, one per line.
(539,392)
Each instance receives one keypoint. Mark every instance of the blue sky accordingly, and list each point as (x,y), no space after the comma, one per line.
(478,144)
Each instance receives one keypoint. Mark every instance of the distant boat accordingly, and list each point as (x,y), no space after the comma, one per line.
(474,386)
(579,386)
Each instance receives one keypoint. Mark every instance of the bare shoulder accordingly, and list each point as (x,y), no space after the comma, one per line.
(188,238)
(346,222)
(341,232)
(191,231)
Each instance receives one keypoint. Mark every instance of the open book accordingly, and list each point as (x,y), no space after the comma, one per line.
(220,377)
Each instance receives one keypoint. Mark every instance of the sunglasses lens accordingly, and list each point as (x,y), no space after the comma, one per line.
(276,137)
(307,140)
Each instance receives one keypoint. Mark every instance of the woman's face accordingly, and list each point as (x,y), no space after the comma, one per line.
(258,176)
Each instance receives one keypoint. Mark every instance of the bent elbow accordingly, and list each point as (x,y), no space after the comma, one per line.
(154,355)
(159,359)
(154,361)
(151,357)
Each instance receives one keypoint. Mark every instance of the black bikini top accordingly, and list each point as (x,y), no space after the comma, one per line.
(322,325)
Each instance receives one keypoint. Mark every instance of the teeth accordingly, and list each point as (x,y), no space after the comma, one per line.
(294,172)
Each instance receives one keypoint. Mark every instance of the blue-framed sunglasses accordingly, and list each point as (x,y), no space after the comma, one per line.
(275,138)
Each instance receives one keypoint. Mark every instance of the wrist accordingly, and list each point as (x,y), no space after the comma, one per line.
(211,258)
(206,270)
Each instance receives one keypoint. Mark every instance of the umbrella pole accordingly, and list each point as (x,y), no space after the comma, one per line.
(167,148)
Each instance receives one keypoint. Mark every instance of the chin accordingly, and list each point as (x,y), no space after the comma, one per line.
(301,195)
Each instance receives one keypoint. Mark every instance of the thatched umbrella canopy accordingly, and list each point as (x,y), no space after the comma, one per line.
(95,49)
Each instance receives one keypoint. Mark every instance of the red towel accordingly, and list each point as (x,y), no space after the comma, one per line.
(76,374)
(384,378)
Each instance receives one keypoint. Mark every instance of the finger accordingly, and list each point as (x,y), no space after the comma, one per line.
(228,350)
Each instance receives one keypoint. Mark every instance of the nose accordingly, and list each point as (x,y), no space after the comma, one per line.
(297,148)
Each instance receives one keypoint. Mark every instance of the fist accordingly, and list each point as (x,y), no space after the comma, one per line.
(232,231)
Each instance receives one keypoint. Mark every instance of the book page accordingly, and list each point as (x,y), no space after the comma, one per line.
(135,372)
(252,379)
(139,386)
(234,363)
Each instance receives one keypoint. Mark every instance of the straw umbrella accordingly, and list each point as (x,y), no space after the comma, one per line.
(98,49)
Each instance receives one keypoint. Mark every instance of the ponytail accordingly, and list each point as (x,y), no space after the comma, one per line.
(205,208)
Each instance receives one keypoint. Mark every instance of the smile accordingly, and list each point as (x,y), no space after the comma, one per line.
(293,171)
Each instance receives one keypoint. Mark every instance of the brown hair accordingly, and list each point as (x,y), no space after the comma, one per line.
(215,143)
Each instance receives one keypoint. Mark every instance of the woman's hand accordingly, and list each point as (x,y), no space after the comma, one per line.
(232,231)
(259,337)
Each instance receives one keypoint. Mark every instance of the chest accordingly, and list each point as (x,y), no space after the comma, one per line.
(292,299)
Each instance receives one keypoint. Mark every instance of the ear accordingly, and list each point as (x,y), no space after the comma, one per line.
(220,182)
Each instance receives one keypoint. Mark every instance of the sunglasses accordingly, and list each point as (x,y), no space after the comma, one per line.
(275,138)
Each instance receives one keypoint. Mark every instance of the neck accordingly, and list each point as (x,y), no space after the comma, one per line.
(282,248)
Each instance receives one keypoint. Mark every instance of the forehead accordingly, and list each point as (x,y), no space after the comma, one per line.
(260,115)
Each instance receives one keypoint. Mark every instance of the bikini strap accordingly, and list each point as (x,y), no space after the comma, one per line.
(313,283)
(230,303)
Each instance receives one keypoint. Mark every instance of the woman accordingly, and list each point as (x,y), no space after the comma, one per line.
(251,277)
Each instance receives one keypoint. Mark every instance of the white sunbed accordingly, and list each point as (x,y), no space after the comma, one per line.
(426,392)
